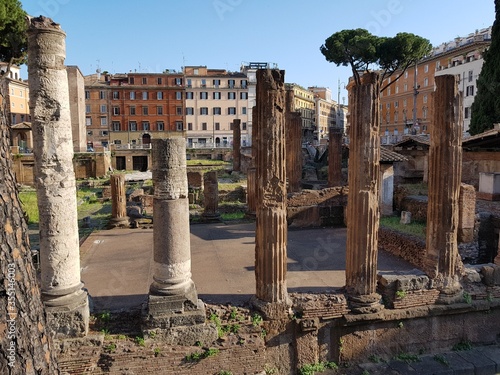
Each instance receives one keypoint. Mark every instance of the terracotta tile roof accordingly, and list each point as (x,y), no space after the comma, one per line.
(388,156)
(421,139)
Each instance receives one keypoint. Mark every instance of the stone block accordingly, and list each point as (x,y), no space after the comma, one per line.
(492,353)
(488,273)
(405,217)
(428,365)
(496,274)
(482,364)
(69,320)
(489,186)
(458,364)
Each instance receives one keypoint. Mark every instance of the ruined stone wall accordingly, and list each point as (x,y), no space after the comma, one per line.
(475,162)
(404,246)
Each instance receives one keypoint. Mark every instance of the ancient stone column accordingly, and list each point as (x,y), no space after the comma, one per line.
(236,145)
(210,197)
(119,218)
(251,191)
(293,134)
(63,295)
(363,198)
(271,227)
(334,156)
(442,261)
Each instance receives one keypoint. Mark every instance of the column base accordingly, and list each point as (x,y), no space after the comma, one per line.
(450,289)
(272,310)
(67,316)
(177,321)
(211,218)
(365,304)
(119,222)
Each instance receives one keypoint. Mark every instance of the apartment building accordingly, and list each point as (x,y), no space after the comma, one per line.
(214,99)
(305,104)
(406,105)
(326,112)
(133,108)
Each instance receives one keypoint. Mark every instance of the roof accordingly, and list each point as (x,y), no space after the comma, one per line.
(414,139)
(490,139)
(388,156)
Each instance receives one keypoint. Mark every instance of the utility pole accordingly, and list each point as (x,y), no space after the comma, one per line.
(415,93)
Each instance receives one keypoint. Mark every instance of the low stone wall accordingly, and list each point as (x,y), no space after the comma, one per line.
(316,208)
(404,246)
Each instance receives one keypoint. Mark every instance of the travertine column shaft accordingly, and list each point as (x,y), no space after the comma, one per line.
(54,177)
(210,196)
(334,156)
(251,191)
(363,199)
(118,201)
(236,145)
(442,261)
(172,251)
(271,227)
(293,136)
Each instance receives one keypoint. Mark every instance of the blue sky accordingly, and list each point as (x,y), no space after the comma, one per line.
(153,35)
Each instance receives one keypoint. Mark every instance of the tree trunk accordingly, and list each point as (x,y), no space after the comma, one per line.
(25,347)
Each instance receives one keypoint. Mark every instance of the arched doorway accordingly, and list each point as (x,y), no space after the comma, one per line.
(146,139)
(217,142)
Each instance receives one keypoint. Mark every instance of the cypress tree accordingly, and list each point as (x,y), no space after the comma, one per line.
(486,106)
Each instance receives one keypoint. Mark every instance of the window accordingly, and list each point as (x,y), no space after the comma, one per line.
(102,94)
(406,74)
(132,95)
(189,95)
(216,95)
(178,126)
(203,126)
(396,117)
(203,82)
(216,83)
(243,126)
(388,91)
(116,95)
(405,87)
(104,121)
(189,111)
(116,126)
(231,111)
(396,104)
(159,80)
(231,95)
(132,110)
(159,95)
(88,121)
(145,125)
(144,95)
(159,110)
(397,89)
(426,82)
(470,91)
(217,126)
(231,83)
(116,111)
(426,68)
(243,83)
(87,94)
(243,110)
(424,99)
(87,108)
(178,81)
(243,95)
(103,108)
(144,81)
(388,105)
(132,126)
(160,126)
(190,126)
(131,80)
(145,110)
(231,126)
(471,75)
(467,112)
(217,111)
(90,132)
(203,95)
(404,102)
(424,112)
(178,111)
(189,82)
(203,111)
(178,95)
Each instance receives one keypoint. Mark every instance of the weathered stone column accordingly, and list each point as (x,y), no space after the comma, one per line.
(363,198)
(271,227)
(119,218)
(174,311)
(210,197)
(293,136)
(334,156)
(443,263)
(63,295)
(251,171)
(236,145)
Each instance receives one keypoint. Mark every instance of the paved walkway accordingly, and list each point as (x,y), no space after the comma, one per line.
(116,264)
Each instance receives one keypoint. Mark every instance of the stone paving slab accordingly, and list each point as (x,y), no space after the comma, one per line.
(429,365)
(482,364)
(493,353)
(458,364)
